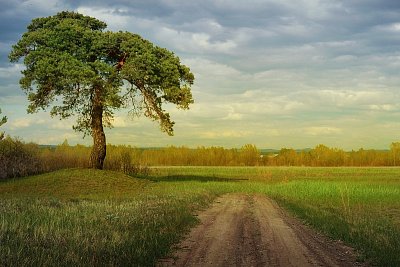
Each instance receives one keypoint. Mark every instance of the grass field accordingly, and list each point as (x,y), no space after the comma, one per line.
(86,217)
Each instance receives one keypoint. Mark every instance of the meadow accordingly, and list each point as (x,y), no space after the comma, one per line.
(87,217)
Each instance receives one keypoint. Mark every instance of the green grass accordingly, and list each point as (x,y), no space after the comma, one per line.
(358,205)
(74,183)
(363,215)
(98,218)
(86,217)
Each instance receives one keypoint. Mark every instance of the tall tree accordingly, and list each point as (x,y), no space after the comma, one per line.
(78,68)
(2,121)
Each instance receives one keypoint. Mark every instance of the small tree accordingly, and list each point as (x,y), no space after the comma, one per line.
(395,152)
(2,121)
(249,154)
(80,69)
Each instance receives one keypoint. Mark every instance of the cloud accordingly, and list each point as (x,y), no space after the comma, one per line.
(197,36)
(233,115)
(265,103)
(73,138)
(224,134)
(116,18)
(21,123)
(384,107)
(57,124)
(274,73)
(209,69)
(195,41)
(322,130)
(119,122)
(352,99)
(10,71)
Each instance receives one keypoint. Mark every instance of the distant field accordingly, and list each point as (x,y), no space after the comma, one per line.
(87,217)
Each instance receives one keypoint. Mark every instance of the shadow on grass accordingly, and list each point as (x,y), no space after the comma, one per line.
(192,178)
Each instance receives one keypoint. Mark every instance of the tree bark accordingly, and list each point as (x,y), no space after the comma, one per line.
(98,153)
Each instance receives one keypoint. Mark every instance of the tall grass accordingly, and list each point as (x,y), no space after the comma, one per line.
(363,215)
(122,222)
(360,206)
(86,217)
(91,233)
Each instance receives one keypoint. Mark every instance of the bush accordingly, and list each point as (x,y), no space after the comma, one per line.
(124,159)
(18,159)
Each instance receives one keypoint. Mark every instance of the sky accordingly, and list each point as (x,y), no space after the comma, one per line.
(273,73)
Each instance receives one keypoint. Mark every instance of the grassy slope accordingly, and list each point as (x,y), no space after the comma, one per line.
(86,217)
(74,183)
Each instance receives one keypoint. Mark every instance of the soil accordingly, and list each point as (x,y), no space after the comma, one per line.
(252,230)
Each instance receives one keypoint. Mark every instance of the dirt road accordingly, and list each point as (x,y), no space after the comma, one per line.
(242,230)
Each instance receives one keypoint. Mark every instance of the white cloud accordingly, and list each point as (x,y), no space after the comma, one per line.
(72,138)
(395,27)
(263,102)
(182,40)
(11,71)
(124,120)
(224,134)
(39,120)
(207,68)
(338,44)
(195,42)
(322,130)
(233,116)
(21,123)
(350,98)
(392,27)
(119,122)
(65,124)
(115,21)
(384,107)
(345,58)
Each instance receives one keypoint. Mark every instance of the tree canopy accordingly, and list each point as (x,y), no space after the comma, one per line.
(79,69)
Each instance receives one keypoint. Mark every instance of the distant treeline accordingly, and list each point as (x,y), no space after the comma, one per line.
(18,158)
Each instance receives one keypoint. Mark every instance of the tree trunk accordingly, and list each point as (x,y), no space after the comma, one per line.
(98,153)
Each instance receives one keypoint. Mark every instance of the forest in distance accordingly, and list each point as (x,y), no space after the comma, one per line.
(18,158)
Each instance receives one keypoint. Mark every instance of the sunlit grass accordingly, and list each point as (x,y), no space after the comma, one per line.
(358,205)
(86,217)
(74,183)
(95,218)
(365,216)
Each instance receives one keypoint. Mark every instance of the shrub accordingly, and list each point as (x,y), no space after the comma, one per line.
(18,158)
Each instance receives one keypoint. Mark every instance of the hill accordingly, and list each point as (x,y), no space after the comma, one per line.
(74,183)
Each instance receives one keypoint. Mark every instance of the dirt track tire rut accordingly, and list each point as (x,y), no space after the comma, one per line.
(251,230)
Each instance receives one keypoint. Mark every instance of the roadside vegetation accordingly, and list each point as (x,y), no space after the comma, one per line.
(106,218)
